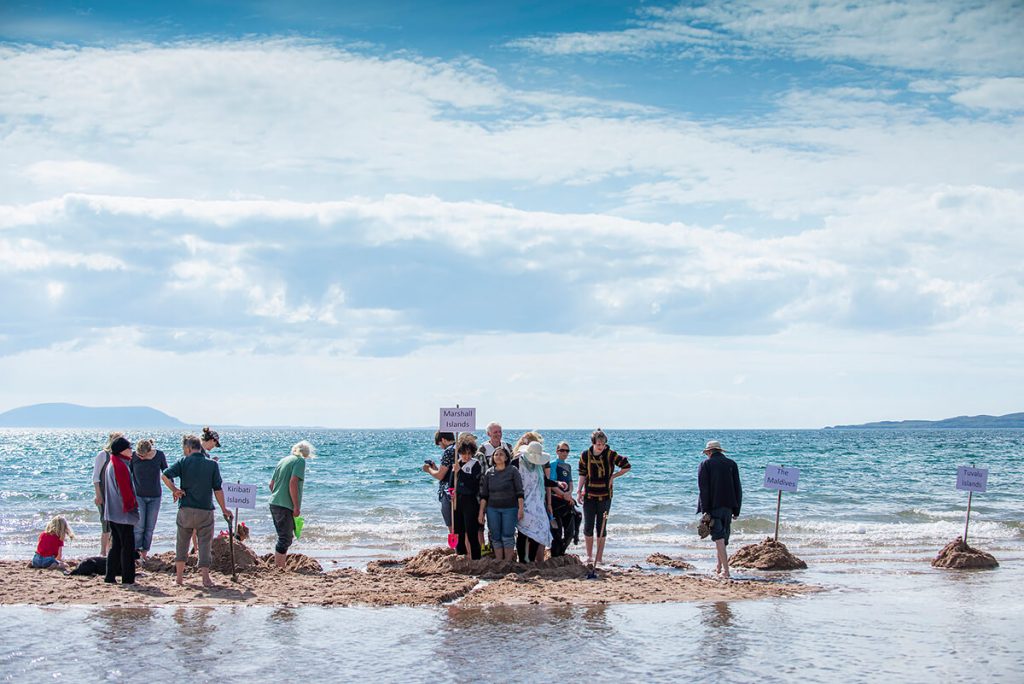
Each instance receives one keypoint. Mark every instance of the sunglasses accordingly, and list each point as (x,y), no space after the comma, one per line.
(561,451)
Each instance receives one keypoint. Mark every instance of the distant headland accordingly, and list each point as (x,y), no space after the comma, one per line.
(1010,420)
(75,416)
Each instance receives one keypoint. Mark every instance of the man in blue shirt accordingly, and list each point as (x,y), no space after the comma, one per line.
(200,483)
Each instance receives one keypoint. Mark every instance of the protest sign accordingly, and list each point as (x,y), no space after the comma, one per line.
(457,420)
(238,495)
(783,479)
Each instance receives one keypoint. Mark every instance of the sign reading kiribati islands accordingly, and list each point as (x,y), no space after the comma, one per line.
(239,495)
(783,479)
(458,419)
(971,479)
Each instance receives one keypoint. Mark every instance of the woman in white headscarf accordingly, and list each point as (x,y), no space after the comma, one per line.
(535,526)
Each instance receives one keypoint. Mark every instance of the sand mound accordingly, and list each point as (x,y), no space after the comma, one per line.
(384,565)
(220,552)
(957,554)
(245,559)
(668,562)
(768,555)
(295,562)
(164,562)
(442,561)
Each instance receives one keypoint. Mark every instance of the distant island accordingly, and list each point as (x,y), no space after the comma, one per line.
(75,416)
(1010,420)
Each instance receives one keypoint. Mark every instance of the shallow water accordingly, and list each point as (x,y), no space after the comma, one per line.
(873,508)
(870,492)
(873,625)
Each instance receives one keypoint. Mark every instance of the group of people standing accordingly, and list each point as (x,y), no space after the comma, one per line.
(524,498)
(521,496)
(514,502)
(128,484)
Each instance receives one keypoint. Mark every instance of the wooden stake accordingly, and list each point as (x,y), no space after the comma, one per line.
(778,508)
(231,543)
(968,520)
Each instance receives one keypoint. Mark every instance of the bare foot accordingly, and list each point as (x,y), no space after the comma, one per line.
(209,585)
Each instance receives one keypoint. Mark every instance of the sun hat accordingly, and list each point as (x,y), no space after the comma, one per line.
(714,445)
(535,453)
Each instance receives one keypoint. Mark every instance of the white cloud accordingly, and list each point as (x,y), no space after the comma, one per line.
(357,275)
(998,94)
(79,175)
(261,123)
(32,255)
(954,35)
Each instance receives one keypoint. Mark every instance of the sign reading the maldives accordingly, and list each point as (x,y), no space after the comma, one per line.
(458,419)
(971,479)
(239,495)
(783,479)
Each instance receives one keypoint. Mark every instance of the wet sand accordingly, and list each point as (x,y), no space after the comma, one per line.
(433,577)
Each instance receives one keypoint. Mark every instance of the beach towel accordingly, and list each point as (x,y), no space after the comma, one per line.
(535,523)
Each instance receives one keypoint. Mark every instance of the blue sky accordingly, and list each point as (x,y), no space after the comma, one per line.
(732,214)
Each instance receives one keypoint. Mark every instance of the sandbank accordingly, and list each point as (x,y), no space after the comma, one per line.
(431,578)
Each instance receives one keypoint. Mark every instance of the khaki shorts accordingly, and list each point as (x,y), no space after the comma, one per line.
(104,522)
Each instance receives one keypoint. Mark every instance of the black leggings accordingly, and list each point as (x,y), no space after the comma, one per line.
(467,526)
(121,557)
(522,542)
(595,512)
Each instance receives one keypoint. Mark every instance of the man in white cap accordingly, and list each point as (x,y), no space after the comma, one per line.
(721,494)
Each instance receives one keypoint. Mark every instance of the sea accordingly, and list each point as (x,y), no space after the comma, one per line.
(872,508)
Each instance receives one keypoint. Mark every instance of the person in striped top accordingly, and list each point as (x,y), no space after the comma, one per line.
(597,474)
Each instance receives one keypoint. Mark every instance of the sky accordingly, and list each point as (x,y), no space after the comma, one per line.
(734,214)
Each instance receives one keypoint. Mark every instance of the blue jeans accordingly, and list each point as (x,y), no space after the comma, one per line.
(149,508)
(502,524)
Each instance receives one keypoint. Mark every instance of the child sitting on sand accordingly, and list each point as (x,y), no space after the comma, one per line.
(50,548)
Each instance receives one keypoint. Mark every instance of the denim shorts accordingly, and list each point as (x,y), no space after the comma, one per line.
(43,561)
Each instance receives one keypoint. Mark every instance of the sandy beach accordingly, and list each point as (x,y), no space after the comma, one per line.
(432,577)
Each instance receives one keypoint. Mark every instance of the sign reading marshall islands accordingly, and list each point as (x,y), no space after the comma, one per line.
(457,420)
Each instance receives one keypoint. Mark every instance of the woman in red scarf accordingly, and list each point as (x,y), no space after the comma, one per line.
(122,511)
